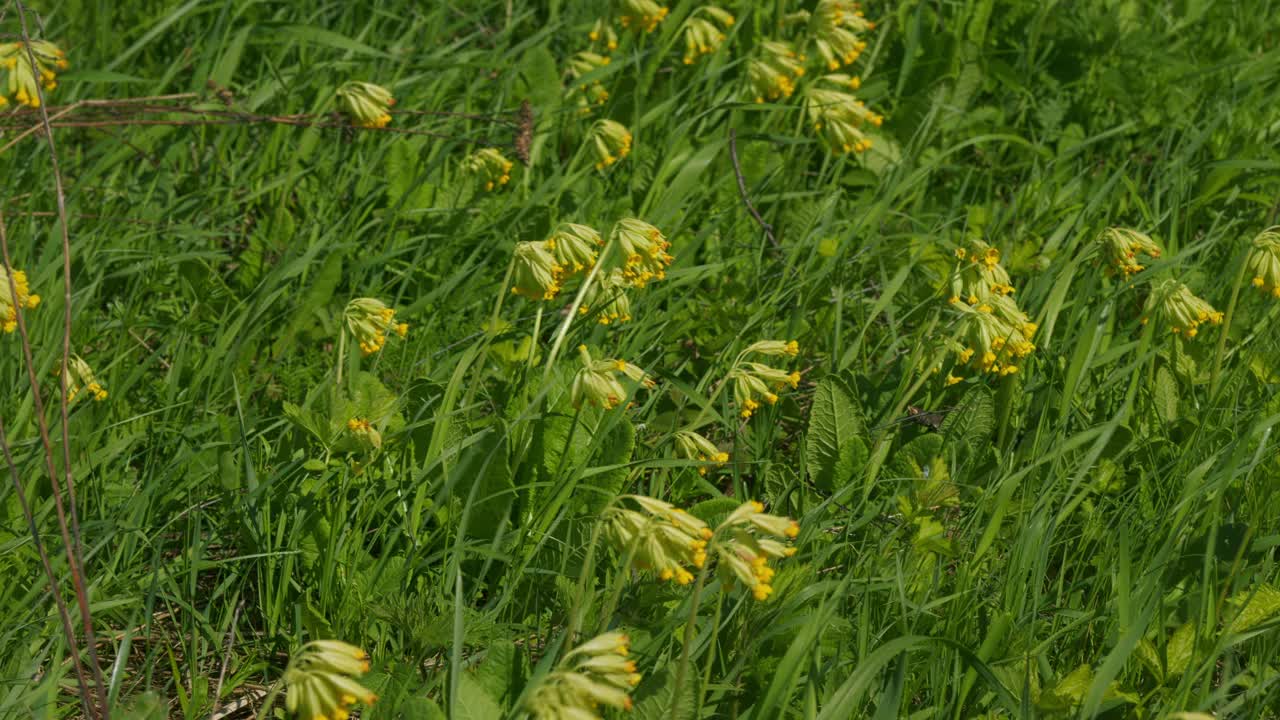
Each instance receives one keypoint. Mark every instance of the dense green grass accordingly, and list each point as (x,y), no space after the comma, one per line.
(1102,506)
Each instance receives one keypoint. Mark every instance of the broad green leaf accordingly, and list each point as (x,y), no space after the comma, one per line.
(1164,395)
(974,419)
(1180,650)
(1068,692)
(615,452)
(497,673)
(834,450)
(473,701)
(1255,606)
(487,463)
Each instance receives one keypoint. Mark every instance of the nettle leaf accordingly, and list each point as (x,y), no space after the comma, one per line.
(1164,395)
(653,698)
(557,447)
(974,420)
(497,674)
(474,702)
(1069,691)
(913,457)
(1256,606)
(835,450)
(1181,648)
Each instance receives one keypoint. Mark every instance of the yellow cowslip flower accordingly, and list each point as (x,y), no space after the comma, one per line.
(320,681)
(1121,247)
(702,35)
(989,343)
(597,382)
(370,322)
(642,15)
(1180,309)
(643,249)
(979,274)
(368,105)
(25,79)
(1263,263)
(611,142)
(79,376)
(607,299)
(775,348)
(535,274)
(591,93)
(593,674)
(489,167)
(364,432)
(603,33)
(754,381)
(773,72)
(10,302)
(692,446)
(836,27)
(839,116)
(574,247)
(747,546)
(663,538)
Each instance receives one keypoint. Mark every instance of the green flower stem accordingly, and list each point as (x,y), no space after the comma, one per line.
(695,598)
(1215,379)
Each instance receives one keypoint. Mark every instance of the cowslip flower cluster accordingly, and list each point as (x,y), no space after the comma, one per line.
(704,35)
(773,72)
(26,79)
(602,33)
(15,294)
(642,15)
(661,537)
(1180,309)
(753,381)
(489,166)
(367,105)
(364,432)
(838,116)
(320,681)
(692,446)
(1121,247)
(667,540)
(370,322)
(1263,263)
(643,249)
(836,28)
(587,94)
(607,299)
(610,141)
(596,383)
(995,334)
(541,268)
(594,674)
(79,376)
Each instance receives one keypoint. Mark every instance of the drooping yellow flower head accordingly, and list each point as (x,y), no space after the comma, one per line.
(704,35)
(662,538)
(607,299)
(320,682)
(1180,309)
(838,115)
(11,303)
(575,248)
(692,446)
(993,340)
(370,322)
(610,141)
(836,29)
(979,274)
(367,105)
(79,376)
(25,79)
(596,383)
(364,432)
(489,167)
(643,250)
(587,94)
(754,382)
(1263,264)
(602,33)
(773,72)
(1121,248)
(641,15)
(535,274)
(775,348)
(752,538)
(594,674)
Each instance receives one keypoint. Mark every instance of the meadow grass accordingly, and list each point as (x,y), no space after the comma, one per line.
(1094,535)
